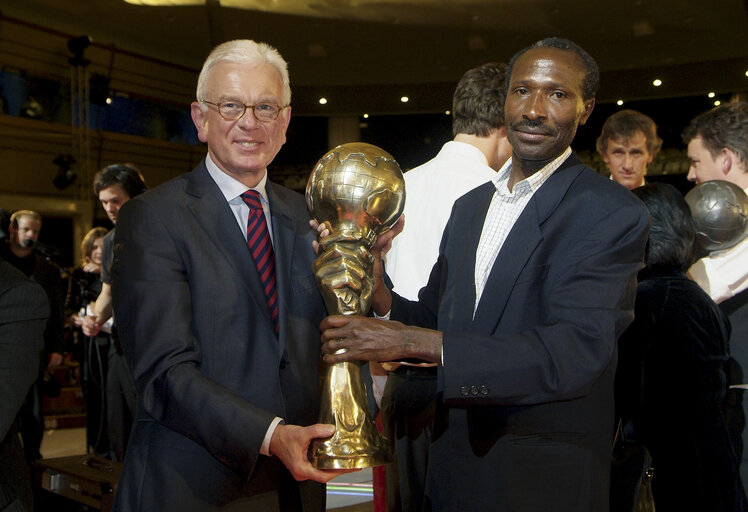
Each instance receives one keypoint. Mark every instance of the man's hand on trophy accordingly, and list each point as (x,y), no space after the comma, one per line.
(290,443)
(373,339)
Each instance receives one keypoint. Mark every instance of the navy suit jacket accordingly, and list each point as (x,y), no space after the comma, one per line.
(525,409)
(195,326)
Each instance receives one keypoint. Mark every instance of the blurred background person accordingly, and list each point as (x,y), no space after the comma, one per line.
(628,143)
(671,381)
(114,185)
(91,352)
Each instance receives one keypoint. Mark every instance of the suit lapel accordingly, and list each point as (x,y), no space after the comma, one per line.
(464,261)
(520,244)
(213,214)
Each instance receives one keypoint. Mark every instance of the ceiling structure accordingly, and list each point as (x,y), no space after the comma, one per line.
(367,52)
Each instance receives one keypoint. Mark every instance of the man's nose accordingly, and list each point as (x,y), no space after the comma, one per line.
(691,174)
(536,107)
(248,120)
(628,160)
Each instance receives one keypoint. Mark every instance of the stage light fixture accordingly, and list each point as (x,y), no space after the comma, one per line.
(65,175)
(77,46)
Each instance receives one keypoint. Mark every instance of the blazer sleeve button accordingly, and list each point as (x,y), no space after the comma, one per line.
(484,390)
(464,391)
(473,390)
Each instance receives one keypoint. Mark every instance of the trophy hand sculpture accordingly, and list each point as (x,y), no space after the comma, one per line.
(357,190)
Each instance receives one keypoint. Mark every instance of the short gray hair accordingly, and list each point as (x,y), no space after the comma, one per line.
(245,51)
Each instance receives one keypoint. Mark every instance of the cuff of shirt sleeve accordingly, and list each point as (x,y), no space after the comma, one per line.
(265,448)
(386,316)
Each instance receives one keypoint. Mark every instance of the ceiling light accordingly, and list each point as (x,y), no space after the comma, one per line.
(404,99)
(447,112)
(746,72)
(619,102)
(323,101)
(711,95)
(657,82)
(366,116)
(717,103)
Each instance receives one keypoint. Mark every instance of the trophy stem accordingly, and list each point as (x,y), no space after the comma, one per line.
(357,442)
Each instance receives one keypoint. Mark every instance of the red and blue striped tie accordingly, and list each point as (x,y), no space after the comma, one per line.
(258,240)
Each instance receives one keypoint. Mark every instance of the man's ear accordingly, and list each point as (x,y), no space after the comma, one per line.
(726,155)
(200,119)
(589,105)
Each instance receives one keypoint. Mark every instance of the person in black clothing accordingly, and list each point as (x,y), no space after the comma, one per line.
(114,185)
(671,380)
(85,286)
(24,229)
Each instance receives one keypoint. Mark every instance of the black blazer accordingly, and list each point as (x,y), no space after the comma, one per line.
(24,309)
(210,372)
(525,408)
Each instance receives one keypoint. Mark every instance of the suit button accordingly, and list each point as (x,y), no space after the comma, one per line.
(484,390)
(464,391)
(282,364)
(473,390)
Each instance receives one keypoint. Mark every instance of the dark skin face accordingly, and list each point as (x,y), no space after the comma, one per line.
(544,106)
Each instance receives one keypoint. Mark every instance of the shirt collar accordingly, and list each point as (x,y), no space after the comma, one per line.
(230,187)
(534,181)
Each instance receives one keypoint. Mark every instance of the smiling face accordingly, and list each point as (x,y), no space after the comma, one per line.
(242,148)
(96,251)
(627,159)
(544,106)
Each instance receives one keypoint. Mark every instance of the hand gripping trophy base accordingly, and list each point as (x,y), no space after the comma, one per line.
(357,443)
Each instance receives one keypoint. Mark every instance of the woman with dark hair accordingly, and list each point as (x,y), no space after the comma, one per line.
(671,382)
(85,286)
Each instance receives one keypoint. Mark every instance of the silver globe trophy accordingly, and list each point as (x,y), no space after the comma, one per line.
(357,190)
(720,212)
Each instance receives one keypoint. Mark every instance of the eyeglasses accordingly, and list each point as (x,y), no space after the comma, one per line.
(232,110)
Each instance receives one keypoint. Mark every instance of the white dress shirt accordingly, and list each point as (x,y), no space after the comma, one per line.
(430,191)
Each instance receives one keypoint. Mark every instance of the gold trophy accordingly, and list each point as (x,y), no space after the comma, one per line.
(358,190)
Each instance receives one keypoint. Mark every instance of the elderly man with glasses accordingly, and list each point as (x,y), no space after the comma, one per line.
(219,312)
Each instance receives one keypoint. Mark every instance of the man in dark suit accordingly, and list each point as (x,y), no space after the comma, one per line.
(225,356)
(534,283)
(24,310)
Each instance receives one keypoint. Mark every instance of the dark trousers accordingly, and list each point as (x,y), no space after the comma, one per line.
(95,362)
(121,402)
(31,422)
(408,416)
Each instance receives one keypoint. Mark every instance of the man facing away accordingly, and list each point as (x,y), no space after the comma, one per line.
(535,281)
(478,150)
(718,150)
(628,143)
(218,311)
